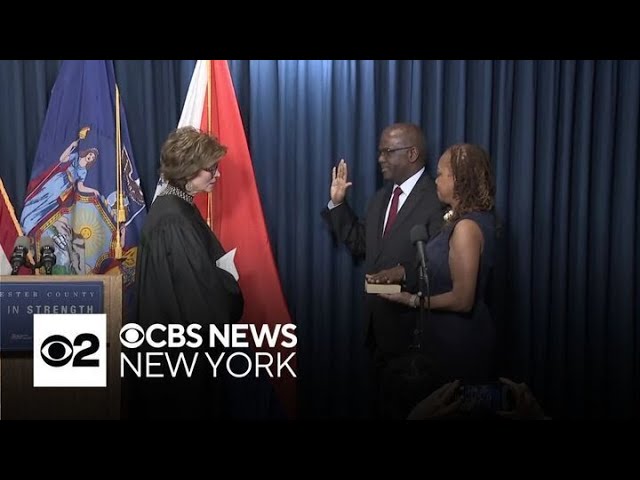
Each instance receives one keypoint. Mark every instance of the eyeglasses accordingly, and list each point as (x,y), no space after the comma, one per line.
(385,152)
(212,169)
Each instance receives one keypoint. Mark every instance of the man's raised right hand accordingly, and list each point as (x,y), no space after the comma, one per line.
(339,183)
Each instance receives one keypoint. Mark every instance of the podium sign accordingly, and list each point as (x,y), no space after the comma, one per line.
(19,301)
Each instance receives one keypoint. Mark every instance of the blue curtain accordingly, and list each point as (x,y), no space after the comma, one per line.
(563,136)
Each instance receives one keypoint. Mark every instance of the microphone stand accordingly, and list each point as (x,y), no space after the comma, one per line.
(419,363)
(424,298)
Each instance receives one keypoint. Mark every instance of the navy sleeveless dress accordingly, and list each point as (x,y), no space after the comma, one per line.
(461,345)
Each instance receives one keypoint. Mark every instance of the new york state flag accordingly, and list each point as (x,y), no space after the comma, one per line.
(82,193)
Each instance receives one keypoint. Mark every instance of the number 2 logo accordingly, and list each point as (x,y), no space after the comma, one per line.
(57,350)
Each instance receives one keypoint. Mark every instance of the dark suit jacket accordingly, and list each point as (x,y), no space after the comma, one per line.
(389,325)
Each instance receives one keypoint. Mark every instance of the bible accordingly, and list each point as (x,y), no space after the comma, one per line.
(381,287)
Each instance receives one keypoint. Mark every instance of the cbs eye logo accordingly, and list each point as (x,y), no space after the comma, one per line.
(69,350)
(57,350)
(132,335)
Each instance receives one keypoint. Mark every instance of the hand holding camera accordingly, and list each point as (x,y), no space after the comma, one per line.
(505,399)
(440,403)
(525,407)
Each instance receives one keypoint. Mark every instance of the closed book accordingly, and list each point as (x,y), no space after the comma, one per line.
(381,287)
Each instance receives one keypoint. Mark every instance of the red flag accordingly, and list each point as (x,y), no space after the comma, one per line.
(9,231)
(234,211)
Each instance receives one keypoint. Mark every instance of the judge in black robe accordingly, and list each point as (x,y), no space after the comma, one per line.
(178,282)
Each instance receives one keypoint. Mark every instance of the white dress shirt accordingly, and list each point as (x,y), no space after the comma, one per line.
(406,187)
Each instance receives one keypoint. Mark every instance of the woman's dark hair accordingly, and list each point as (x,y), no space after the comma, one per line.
(86,152)
(473,181)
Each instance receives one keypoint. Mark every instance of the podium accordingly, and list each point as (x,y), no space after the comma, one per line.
(19,399)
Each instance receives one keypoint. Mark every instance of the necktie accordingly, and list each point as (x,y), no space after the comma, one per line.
(393,211)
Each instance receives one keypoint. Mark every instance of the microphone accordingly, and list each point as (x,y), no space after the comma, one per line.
(19,255)
(47,255)
(419,238)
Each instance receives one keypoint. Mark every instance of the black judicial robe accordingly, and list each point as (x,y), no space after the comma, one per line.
(178,282)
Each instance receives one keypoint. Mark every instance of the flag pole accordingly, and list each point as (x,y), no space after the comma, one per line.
(120,214)
(209,194)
